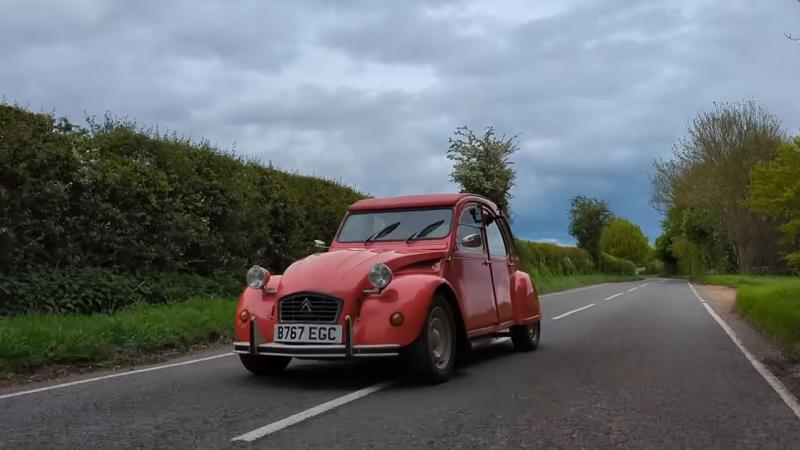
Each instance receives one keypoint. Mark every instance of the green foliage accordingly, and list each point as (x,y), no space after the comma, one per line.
(31,341)
(623,239)
(587,218)
(482,164)
(117,197)
(85,291)
(655,267)
(771,303)
(704,187)
(612,264)
(775,193)
(553,260)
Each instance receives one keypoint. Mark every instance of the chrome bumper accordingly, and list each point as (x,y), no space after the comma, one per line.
(346,350)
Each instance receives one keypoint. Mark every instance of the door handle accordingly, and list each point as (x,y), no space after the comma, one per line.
(486,263)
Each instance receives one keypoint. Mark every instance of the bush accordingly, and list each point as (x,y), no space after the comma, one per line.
(121,198)
(612,264)
(85,291)
(655,267)
(551,259)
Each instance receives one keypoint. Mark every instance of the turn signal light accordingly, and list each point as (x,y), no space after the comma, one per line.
(396,319)
(244,316)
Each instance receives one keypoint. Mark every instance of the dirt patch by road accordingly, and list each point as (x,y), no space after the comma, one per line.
(722,299)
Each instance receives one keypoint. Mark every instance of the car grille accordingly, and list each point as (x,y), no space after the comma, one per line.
(309,308)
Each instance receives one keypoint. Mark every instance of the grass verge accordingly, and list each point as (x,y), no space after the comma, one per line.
(34,341)
(772,304)
(546,284)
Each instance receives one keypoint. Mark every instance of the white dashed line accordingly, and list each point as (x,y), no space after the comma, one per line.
(114,375)
(573,311)
(769,377)
(309,413)
(613,296)
(633,289)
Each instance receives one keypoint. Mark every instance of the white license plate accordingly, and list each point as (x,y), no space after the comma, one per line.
(308,334)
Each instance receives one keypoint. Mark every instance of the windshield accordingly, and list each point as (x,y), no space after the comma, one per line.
(396,225)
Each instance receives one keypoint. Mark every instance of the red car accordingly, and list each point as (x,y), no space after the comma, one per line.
(418,276)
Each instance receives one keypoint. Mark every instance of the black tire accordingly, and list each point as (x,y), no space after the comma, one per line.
(526,337)
(432,356)
(265,365)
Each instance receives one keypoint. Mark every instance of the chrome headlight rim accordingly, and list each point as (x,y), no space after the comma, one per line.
(380,276)
(257,277)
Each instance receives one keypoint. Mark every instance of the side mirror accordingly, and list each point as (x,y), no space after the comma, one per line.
(472,241)
(320,244)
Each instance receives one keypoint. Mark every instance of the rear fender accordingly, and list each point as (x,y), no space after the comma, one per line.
(411,295)
(524,299)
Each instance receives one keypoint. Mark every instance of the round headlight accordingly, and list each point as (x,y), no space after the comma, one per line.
(257,277)
(380,276)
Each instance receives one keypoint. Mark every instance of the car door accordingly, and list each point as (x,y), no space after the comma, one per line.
(501,265)
(469,272)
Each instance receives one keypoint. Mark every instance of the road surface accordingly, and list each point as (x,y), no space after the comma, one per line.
(649,368)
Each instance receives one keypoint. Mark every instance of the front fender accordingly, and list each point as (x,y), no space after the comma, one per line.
(410,295)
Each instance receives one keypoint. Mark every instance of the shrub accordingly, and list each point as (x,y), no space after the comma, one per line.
(121,198)
(551,259)
(612,264)
(85,291)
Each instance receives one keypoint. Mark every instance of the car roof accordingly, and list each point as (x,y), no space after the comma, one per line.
(418,201)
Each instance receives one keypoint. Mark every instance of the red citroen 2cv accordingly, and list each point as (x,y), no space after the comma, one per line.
(418,277)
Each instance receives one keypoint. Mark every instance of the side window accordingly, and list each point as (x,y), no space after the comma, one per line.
(468,237)
(508,235)
(497,244)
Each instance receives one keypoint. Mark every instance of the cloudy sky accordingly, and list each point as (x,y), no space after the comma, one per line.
(368,92)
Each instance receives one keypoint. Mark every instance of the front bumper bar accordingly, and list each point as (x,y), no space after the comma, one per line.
(346,350)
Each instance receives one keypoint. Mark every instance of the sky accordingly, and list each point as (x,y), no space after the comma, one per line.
(368,92)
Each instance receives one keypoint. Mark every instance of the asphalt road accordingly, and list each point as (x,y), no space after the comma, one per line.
(646,369)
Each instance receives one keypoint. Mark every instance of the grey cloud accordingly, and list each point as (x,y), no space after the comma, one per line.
(596,89)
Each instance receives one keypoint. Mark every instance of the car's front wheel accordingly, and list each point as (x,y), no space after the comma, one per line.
(264,365)
(526,337)
(432,356)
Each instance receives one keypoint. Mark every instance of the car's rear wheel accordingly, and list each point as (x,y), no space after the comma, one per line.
(263,364)
(432,356)
(526,337)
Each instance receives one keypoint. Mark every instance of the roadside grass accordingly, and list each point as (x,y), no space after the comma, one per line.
(33,341)
(551,283)
(772,304)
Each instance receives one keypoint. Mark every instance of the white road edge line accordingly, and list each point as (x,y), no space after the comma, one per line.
(769,377)
(613,296)
(309,413)
(114,375)
(573,311)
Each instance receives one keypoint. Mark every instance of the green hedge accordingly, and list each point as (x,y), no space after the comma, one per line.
(86,291)
(117,197)
(612,264)
(551,259)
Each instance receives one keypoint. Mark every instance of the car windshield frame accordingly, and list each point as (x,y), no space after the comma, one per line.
(402,238)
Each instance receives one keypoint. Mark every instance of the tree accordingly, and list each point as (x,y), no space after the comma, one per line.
(709,176)
(482,164)
(776,194)
(587,218)
(623,239)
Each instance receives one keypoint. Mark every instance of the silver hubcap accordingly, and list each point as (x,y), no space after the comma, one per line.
(532,332)
(440,338)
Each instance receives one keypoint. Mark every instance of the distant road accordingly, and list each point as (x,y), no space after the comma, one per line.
(647,368)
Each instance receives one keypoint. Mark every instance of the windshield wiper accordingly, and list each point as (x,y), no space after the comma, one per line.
(386,230)
(425,231)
